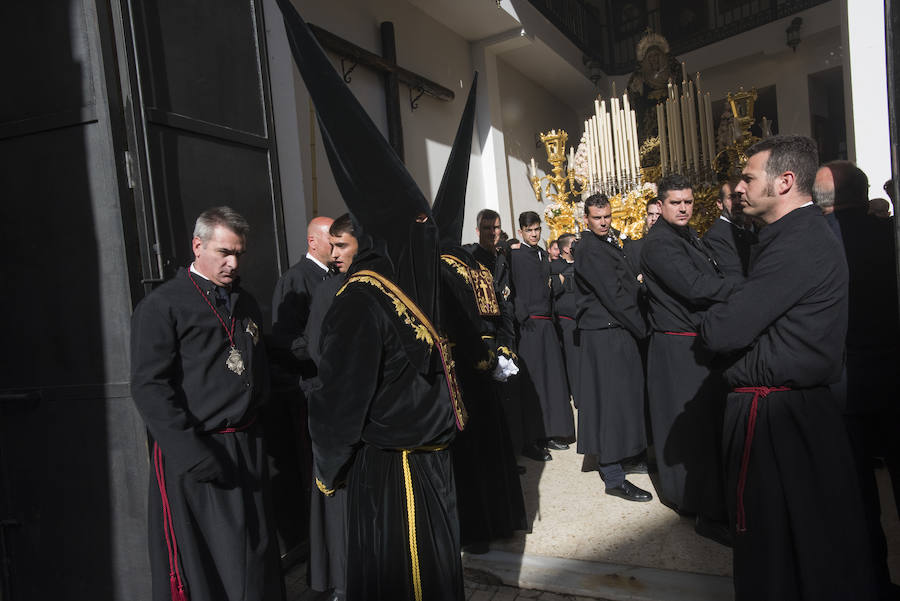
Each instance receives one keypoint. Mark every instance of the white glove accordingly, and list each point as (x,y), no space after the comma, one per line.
(511,367)
(499,374)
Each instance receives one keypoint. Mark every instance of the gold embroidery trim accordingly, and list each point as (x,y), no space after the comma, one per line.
(324,489)
(461,268)
(482,283)
(424,329)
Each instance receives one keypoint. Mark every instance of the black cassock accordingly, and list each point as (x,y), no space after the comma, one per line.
(381,422)
(489,492)
(565,296)
(797,507)
(327,514)
(223,534)
(543,370)
(291,302)
(686,395)
(611,387)
(730,245)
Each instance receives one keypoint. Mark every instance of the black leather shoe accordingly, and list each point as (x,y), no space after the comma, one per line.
(555,445)
(635,467)
(630,492)
(717,531)
(532,451)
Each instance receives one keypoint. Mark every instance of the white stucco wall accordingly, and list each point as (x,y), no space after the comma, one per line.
(428,131)
(529,109)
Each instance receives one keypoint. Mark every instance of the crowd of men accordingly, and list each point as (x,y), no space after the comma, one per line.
(753,362)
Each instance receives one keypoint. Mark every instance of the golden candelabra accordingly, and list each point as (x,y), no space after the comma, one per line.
(731,160)
(562,212)
(561,184)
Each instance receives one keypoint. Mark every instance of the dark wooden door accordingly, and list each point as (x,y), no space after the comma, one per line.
(200,78)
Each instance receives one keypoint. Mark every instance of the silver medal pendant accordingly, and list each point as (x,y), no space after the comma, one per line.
(234,362)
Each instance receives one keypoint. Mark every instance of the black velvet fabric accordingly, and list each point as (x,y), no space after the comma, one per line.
(450,202)
(489,492)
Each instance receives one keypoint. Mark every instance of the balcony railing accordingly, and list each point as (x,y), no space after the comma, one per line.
(607,31)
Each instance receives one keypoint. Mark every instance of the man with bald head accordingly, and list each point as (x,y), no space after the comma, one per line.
(873,330)
(294,292)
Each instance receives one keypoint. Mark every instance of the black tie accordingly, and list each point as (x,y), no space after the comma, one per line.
(223,298)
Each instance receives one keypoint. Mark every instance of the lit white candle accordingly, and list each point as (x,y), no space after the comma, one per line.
(711,139)
(597,148)
(635,148)
(533,168)
(571,164)
(701,110)
(589,156)
(663,138)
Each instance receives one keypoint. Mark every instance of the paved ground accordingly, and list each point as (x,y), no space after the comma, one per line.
(583,542)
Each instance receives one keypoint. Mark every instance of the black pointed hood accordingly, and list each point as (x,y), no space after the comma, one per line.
(450,203)
(379,192)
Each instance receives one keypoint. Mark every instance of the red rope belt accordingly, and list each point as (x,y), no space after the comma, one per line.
(540,317)
(567,317)
(681,333)
(757,391)
(241,428)
(175,582)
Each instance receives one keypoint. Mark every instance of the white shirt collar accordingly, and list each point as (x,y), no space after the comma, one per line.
(317,262)
(726,219)
(193,270)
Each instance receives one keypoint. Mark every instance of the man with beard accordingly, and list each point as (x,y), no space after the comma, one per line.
(611,386)
(543,370)
(685,393)
(729,238)
(798,535)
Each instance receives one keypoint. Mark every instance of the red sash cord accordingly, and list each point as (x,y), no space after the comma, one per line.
(175,583)
(540,317)
(681,333)
(241,428)
(567,317)
(757,391)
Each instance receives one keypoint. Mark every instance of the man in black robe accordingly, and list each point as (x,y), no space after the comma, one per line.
(873,337)
(633,247)
(792,486)
(199,376)
(385,432)
(611,387)
(543,376)
(565,296)
(730,237)
(486,251)
(328,513)
(685,393)
(285,421)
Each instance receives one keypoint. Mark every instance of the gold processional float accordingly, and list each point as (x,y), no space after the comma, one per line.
(613,159)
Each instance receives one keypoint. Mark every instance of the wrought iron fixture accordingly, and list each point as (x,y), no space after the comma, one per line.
(793,33)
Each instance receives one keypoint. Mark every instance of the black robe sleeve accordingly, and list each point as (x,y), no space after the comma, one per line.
(349,369)
(617,289)
(667,264)
(154,371)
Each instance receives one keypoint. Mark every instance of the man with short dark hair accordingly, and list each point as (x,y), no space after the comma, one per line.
(728,238)
(542,376)
(611,382)
(328,514)
(685,394)
(199,376)
(799,535)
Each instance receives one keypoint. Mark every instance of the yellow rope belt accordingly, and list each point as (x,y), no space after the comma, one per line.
(411,516)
